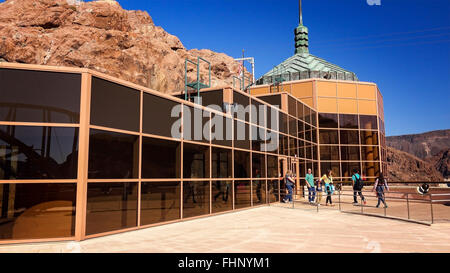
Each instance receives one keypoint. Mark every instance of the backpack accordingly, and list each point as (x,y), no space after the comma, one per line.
(358,183)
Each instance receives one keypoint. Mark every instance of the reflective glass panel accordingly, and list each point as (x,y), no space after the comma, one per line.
(242,194)
(37,211)
(195,161)
(35,152)
(160,158)
(111,206)
(195,198)
(160,202)
(113,155)
(39,96)
(114,105)
(222,200)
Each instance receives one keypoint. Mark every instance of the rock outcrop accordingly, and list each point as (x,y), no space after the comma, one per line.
(102,36)
(404,167)
(441,162)
(421,145)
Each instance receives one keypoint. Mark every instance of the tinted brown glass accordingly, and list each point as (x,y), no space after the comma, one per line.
(273,190)
(328,136)
(35,152)
(350,153)
(221,163)
(114,105)
(37,211)
(195,198)
(222,199)
(259,192)
(241,164)
(195,161)
(38,96)
(328,120)
(221,130)
(349,137)
(258,165)
(111,206)
(157,119)
(368,122)
(160,202)
(348,121)
(160,158)
(242,194)
(113,155)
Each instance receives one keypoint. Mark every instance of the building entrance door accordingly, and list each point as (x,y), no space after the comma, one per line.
(286,164)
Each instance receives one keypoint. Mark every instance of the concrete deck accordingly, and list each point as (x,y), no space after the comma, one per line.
(267,229)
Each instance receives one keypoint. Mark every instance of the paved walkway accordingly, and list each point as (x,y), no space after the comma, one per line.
(267,229)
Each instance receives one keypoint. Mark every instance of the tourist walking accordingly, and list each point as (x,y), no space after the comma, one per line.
(358,185)
(380,186)
(328,181)
(289,186)
(319,189)
(311,187)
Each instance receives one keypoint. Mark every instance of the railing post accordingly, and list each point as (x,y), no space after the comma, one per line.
(431,205)
(362,211)
(407,203)
(340,197)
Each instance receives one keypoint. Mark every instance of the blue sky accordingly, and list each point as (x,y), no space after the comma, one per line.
(402,45)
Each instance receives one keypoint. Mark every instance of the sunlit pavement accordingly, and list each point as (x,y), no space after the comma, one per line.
(267,229)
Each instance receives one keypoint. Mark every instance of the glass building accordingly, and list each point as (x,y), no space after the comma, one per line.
(83,154)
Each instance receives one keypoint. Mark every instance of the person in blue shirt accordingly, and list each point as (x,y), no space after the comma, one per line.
(357,187)
(311,187)
(289,186)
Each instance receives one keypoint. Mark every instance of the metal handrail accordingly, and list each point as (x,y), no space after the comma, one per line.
(427,198)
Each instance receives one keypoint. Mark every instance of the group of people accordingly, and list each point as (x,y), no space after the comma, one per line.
(325,185)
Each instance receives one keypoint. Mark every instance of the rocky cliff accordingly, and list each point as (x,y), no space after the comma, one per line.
(100,35)
(441,162)
(403,166)
(421,145)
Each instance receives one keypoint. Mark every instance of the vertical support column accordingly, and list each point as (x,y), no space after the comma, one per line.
(141,118)
(83,157)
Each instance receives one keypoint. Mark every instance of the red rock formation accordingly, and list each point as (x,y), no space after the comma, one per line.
(102,36)
(441,162)
(404,167)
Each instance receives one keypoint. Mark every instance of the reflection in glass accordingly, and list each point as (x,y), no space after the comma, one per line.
(113,155)
(221,163)
(328,120)
(195,161)
(258,165)
(160,202)
(349,137)
(292,106)
(242,194)
(371,168)
(348,121)
(350,152)
(195,198)
(37,210)
(370,153)
(222,134)
(114,105)
(222,199)
(111,206)
(348,167)
(273,190)
(241,135)
(259,192)
(328,137)
(35,152)
(334,166)
(329,152)
(272,166)
(368,122)
(38,96)
(157,119)
(292,126)
(160,158)
(369,138)
(241,164)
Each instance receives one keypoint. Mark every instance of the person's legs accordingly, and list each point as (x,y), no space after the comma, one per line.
(355,200)
(309,194)
(313,194)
